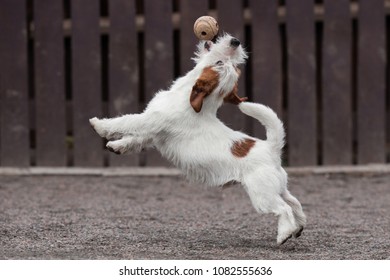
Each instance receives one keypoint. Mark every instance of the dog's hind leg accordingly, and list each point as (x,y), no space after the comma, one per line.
(264,192)
(286,223)
(276,205)
(296,207)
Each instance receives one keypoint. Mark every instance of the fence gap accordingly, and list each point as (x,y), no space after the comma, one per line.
(319,28)
(354,88)
(284,85)
(388,89)
(104,48)
(31,83)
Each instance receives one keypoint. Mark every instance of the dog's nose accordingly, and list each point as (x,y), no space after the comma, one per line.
(234,42)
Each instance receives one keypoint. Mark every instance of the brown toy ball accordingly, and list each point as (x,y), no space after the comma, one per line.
(206,28)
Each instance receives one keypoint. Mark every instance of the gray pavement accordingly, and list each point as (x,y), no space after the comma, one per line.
(151,217)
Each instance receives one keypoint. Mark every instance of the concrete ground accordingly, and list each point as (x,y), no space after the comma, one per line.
(149,217)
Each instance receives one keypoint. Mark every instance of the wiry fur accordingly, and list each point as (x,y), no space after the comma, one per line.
(200,144)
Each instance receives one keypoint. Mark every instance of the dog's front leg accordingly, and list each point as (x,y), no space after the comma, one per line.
(129,144)
(116,128)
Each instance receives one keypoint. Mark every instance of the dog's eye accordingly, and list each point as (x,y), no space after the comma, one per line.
(219,62)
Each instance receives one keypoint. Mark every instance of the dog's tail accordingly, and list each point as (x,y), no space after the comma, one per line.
(265,115)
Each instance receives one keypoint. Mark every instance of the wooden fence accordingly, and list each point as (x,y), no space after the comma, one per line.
(321,65)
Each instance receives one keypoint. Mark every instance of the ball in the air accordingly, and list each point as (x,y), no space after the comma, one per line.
(206,28)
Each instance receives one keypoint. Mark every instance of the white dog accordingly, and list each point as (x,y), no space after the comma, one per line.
(181,124)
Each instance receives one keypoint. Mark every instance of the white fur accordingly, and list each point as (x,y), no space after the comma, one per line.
(200,144)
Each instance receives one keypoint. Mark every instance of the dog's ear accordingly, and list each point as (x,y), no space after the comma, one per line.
(203,87)
(196,99)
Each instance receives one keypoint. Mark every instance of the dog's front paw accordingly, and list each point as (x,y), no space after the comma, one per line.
(127,144)
(102,127)
(98,126)
(116,147)
(93,123)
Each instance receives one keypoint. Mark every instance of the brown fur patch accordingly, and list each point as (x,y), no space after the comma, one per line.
(203,87)
(232,97)
(242,148)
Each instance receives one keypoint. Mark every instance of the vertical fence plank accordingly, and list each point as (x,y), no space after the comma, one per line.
(158,70)
(266,58)
(86,81)
(371,82)
(336,94)
(231,20)
(302,118)
(49,83)
(123,67)
(189,12)
(14,126)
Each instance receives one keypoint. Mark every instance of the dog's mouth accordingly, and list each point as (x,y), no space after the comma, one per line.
(233,97)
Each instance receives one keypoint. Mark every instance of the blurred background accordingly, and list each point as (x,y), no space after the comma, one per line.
(322,65)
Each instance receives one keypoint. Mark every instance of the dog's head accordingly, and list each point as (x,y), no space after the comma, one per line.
(218,63)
